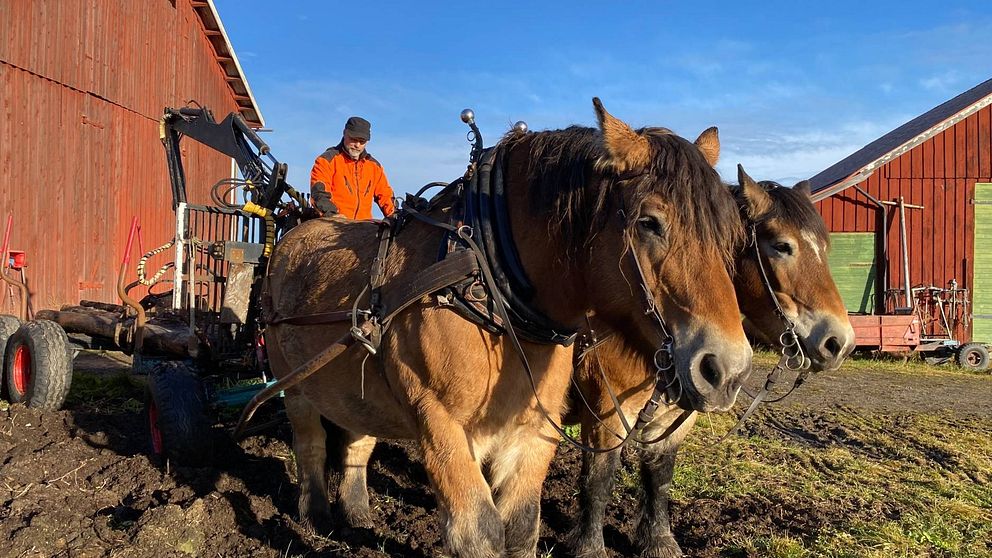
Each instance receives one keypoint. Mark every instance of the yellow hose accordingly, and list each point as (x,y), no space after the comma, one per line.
(252,208)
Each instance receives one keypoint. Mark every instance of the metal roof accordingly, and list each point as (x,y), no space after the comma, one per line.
(228,60)
(859,165)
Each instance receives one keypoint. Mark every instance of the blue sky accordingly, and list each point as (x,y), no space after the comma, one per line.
(793,86)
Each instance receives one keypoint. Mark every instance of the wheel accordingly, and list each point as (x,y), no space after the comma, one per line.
(973,356)
(37,368)
(176,412)
(8,325)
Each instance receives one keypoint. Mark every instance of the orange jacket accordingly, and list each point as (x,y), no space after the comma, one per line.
(341,184)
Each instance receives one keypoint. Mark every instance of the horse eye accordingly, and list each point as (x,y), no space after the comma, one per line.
(783,248)
(651,225)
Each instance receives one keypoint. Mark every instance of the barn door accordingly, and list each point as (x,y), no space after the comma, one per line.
(982,289)
(852,263)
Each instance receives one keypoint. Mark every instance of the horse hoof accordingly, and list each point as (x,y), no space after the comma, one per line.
(589,552)
(665,547)
(317,523)
(316,518)
(357,518)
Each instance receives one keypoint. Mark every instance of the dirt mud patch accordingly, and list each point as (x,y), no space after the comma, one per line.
(79,482)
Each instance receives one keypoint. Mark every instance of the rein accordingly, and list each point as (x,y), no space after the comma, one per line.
(792,358)
(493,261)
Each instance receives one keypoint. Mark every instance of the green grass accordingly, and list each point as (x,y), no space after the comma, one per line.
(766,358)
(119,391)
(917,485)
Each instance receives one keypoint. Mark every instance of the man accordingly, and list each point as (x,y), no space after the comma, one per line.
(345,179)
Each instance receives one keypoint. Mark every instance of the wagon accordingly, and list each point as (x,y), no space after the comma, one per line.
(925,328)
(197,333)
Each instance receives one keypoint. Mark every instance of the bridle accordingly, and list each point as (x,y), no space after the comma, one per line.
(792,358)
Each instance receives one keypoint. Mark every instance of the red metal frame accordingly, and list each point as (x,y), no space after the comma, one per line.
(889,333)
(21,370)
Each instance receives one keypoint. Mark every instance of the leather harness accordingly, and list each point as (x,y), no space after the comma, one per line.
(479,274)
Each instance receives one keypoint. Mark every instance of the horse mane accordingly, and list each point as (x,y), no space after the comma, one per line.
(796,208)
(567,185)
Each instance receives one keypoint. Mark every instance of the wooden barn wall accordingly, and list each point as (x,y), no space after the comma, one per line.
(82,87)
(939,174)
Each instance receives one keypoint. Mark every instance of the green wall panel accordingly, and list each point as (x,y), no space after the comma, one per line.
(982,290)
(852,263)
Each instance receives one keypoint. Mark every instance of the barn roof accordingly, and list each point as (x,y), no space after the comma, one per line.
(859,165)
(228,60)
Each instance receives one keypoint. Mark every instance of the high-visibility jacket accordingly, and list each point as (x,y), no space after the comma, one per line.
(347,186)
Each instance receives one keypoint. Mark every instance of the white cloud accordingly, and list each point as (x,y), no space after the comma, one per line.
(947,81)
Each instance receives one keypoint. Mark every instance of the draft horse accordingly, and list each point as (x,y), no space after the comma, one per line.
(787,237)
(634,226)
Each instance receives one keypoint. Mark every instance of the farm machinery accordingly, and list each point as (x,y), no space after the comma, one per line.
(923,320)
(197,334)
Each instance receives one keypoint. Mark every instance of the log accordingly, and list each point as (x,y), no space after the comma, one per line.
(105,306)
(172,339)
(178,341)
(90,311)
(95,325)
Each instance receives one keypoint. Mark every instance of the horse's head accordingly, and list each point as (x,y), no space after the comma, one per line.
(793,242)
(667,231)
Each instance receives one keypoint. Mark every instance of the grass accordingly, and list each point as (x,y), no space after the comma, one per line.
(119,391)
(917,485)
(766,358)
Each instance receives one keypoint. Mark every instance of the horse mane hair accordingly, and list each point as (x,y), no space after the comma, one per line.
(567,185)
(792,207)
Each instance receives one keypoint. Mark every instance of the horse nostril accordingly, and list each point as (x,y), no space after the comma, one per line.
(833,346)
(709,368)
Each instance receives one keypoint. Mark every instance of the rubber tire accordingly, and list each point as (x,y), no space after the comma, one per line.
(8,325)
(40,350)
(176,415)
(973,356)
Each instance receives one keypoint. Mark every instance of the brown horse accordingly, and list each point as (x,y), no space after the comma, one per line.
(792,241)
(599,218)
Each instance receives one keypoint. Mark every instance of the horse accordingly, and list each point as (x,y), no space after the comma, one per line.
(792,242)
(608,220)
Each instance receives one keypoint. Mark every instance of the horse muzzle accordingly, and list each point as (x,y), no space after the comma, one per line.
(827,341)
(715,375)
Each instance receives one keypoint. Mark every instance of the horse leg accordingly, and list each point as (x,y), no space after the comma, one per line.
(596,488)
(309,444)
(517,472)
(654,529)
(469,518)
(353,494)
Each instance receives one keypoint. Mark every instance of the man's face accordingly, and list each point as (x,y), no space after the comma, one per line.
(354,146)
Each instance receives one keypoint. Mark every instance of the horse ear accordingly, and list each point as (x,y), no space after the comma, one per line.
(709,143)
(758,201)
(804,188)
(628,150)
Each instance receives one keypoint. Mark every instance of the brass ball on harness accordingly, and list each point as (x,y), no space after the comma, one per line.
(520,127)
(468,116)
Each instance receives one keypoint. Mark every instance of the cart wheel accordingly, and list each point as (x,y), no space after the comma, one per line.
(176,409)
(8,325)
(973,356)
(37,368)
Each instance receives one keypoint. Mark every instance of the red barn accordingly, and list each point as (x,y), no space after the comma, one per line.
(940,165)
(82,88)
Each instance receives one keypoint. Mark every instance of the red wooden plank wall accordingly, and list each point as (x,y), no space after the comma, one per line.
(82,87)
(939,174)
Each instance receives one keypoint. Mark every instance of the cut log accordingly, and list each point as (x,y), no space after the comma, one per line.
(104,324)
(105,306)
(170,338)
(173,341)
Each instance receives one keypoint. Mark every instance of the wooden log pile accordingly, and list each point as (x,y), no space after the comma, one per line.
(110,323)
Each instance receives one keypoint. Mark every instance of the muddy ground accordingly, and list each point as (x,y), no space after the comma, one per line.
(79,482)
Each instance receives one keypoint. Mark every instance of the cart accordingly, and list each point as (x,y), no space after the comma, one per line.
(926,327)
(197,335)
